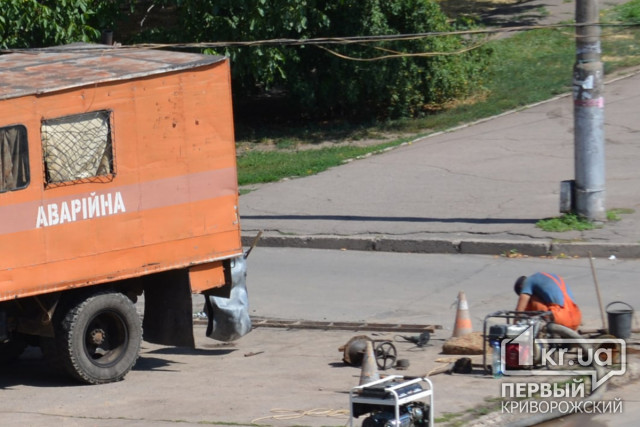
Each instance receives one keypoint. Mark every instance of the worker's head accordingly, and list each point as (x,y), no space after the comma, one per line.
(517,287)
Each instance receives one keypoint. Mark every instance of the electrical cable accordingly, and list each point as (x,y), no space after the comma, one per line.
(379,38)
(399,54)
(341,40)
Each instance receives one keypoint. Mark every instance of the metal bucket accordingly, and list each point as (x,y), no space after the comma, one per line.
(620,320)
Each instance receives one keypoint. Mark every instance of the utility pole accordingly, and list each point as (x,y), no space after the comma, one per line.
(588,111)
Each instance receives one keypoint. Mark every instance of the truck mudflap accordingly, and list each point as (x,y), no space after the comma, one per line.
(168,310)
(229,317)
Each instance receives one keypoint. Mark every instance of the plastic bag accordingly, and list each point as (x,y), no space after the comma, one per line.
(229,317)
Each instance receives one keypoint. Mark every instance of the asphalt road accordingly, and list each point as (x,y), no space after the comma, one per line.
(417,288)
(302,370)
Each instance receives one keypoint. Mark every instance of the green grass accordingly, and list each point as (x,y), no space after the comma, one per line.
(268,166)
(457,419)
(566,222)
(448,416)
(525,68)
(628,12)
(621,46)
(573,222)
(614,214)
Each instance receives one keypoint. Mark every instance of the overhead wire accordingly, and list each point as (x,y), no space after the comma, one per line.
(374,39)
(355,39)
(323,42)
(400,54)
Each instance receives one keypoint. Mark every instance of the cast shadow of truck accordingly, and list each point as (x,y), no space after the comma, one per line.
(32,369)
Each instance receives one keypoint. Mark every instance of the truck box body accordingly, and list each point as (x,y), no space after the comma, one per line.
(117,175)
(170,197)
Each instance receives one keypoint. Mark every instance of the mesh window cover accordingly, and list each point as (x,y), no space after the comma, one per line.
(77,147)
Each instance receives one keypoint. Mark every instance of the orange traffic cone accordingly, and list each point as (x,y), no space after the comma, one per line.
(369,371)
(463,321)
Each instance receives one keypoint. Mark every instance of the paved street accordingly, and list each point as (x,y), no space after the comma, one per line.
(478,189)
(417,224)
(417,288)
(301,370)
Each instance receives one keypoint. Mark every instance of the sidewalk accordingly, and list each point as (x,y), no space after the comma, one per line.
(476,189)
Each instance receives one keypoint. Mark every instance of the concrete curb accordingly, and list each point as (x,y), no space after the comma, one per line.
(467,246)
(514,419)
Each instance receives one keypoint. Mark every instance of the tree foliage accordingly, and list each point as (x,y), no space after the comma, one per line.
(31,23)
(340,80)
(336,80)
(255,68)
(401,86)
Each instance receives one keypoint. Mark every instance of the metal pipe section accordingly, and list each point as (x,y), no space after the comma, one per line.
(564,332)
(589,114)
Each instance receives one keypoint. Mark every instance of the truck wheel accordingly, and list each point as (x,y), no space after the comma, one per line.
(98,339)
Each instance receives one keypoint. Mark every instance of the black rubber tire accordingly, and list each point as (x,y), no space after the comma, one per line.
(98,339)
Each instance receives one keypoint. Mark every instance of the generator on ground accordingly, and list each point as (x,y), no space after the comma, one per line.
(394,401)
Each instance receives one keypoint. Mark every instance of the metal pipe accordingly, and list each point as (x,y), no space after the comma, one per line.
(564,332)
(106,37)
(595,281)
(589,114)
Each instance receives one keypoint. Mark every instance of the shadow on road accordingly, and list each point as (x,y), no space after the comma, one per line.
(32,369)
(192,351)
(391,219)
(499,13)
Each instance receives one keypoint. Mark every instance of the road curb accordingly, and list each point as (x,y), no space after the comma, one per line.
(523,419)
(467,246)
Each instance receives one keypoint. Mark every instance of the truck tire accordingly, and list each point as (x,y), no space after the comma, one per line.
(98,339)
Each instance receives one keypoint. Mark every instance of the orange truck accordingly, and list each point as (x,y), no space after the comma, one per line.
(118,180)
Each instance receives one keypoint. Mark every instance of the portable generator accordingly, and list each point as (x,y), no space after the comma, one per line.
(395,401)
(517,336)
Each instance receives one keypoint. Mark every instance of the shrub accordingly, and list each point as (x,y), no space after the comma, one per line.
(318,82)
(31,23)
(399,87)
(315,81)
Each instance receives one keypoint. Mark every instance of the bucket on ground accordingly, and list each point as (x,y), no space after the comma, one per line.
(620,319)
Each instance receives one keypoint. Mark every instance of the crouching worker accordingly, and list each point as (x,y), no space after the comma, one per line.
(548,292)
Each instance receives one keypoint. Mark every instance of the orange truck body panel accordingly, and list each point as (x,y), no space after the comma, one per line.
(171,199)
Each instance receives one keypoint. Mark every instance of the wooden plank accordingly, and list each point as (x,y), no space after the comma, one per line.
(346,326)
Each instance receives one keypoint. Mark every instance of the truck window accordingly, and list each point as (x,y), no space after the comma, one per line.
(14,158)
(78,148)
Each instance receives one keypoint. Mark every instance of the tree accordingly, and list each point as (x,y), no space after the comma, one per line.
(319,80)
(398,87)
(31,23)
(326,81)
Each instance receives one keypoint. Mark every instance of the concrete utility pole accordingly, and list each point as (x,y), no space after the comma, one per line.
(588,113)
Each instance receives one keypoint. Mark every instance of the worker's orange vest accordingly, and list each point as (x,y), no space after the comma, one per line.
(569,315)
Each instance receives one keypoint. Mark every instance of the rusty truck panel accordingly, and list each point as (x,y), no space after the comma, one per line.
(117,179)
(170,197)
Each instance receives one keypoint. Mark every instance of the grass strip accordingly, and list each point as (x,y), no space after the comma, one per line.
(527,67)
(261,167)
